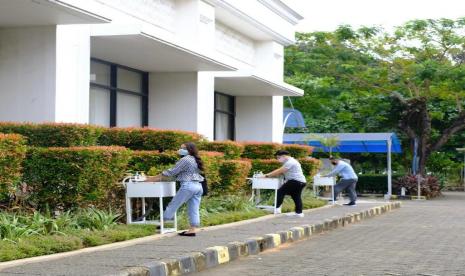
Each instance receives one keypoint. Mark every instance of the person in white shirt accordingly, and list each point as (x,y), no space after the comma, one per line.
(348,179)
(294,181)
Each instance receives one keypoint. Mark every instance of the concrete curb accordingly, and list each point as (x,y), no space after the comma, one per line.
(216,255)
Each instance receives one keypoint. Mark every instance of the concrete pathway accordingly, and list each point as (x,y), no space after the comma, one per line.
(421,238)
(114,261)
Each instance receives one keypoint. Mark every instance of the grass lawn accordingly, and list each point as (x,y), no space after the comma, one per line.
(28,236)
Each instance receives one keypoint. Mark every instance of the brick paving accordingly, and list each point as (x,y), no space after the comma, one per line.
(421,238)
(111,262)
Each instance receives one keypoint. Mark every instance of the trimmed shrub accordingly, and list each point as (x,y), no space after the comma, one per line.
(264,165)
(55,134)
(231,150)
(212,162)
(256,150)
(76,176)
(12,154)
(375,184)
(429,185)
(233,175)
(148,138)
(145,160)
(298,151)
(310,167)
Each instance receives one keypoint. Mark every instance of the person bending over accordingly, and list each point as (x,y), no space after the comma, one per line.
(348,179)
(294,180)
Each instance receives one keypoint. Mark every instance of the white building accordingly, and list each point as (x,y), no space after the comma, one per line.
(210,66)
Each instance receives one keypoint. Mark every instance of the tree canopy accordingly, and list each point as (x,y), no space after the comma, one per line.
(411,79)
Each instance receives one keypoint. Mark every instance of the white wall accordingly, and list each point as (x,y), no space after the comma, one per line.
(205,104)
(269,60)
(259,119)
(182,101)
(27,74)
(72,76)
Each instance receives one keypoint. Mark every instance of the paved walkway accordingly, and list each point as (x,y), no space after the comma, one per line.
(111,262)
(421,238)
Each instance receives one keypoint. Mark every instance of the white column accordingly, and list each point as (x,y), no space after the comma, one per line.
(27,74)
(73,73)
(389,170)
(259,119)
(182,101)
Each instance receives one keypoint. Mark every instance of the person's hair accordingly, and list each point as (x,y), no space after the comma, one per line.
(193,151)
(281,153)
(332,158)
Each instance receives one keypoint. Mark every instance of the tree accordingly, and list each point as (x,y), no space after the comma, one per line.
(418,69)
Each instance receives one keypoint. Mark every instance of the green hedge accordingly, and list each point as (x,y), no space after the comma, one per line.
(298,151)
(147,138)
(233,174)
(231,150)
(77,176)
(212,162)
(260,150)
(309,166)
(12,154)
(374,183)
(257,150)
(145,160)
(55,134)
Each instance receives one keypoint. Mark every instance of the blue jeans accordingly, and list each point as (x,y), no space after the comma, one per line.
(190,192)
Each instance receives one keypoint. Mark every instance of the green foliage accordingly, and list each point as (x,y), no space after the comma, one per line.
(298,151)
(257,150)
(12,154)
(233,174)
(308,201)
(375,184)
(309,165)
(148,138)
(212,162)
(76,176)
(264,165)
(95,219)
(366,80)
(145,160)
(54,134)
(231,150)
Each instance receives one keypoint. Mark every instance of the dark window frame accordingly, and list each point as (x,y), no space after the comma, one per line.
(114,90)
(231,114)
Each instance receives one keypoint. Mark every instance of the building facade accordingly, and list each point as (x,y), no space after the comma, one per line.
(210,66)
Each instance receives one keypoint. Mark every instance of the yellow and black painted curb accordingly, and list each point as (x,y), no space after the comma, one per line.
(216,255)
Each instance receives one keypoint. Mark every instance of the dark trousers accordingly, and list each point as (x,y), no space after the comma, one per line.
(348,184)
(294,189)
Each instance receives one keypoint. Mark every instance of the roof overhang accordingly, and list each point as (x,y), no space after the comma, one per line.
(134,48)
(348,142)
(238,84)
(18,13)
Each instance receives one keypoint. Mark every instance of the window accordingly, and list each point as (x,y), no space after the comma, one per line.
(118,95)
(225,114)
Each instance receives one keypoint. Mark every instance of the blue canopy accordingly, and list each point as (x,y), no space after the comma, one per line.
(348,142)
(293,118)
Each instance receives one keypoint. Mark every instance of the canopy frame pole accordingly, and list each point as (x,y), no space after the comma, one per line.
(389,169)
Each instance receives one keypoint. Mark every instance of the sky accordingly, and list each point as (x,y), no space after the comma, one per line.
(326,15)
